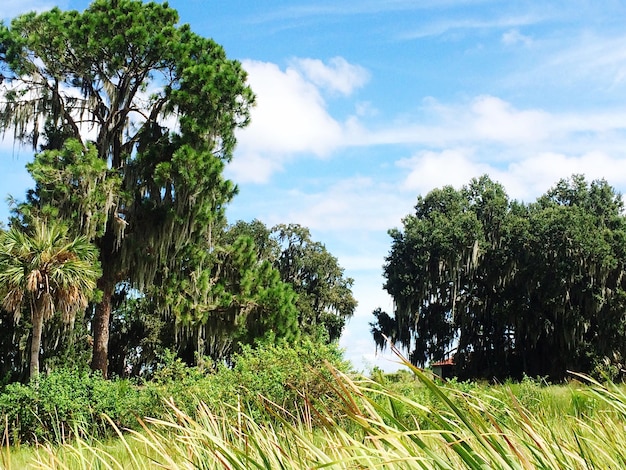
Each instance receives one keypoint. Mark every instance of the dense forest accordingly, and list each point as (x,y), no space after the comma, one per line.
(506,288)
(122,249)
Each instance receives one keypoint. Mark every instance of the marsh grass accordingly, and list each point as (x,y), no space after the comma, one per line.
(369,425)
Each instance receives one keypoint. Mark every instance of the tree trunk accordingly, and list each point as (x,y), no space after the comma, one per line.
(35,344)
(101,322)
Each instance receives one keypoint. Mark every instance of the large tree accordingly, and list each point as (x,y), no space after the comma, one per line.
(235,298)
(509,288)
(154,101)
(48,272)
(325,301)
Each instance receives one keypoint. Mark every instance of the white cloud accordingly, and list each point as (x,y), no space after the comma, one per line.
(498,131)
(290,115)
(528,178)
(524,179)
(11,8)
(455,24)
(513,37)
(483,120)
(353,204)
(594,60)
(338,75)
(252,168)
(290,118)
(429,170)
(495,119)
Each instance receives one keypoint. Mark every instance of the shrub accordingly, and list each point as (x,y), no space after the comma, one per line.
(281,374)
(55,406)
(68,401)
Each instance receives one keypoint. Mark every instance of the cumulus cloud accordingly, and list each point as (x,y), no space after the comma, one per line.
(524,179)
(338,75)
(291,115)
(527,178)
(292,119)
(429,169)
(496,119)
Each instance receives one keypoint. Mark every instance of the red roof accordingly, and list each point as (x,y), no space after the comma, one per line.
(445,362)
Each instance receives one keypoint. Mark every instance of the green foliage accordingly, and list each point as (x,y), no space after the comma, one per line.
(70,401)
(233,298)
(47,272)
(286,375)
(75,183)
(324,295)
(516,289)
(382,427)
(148,195)
(282,374)
(65,402)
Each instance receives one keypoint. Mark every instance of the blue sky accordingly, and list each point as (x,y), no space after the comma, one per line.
(364,105)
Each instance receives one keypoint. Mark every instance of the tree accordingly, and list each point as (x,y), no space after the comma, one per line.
(510,288)
(160,105)
(48,271)
(234,299)
(574,278)
(325,299)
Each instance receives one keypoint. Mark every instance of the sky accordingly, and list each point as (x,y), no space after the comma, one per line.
(363,105)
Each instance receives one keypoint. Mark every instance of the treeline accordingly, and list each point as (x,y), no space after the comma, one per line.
(262,286)
(506,288)
(122,249)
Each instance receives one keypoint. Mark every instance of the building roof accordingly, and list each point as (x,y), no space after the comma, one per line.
(445,362)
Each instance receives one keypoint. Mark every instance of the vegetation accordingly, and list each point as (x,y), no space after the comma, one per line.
(406,421)
(145,111)
(170,338)
(50,273)
(325,300)
(132,117)
(68,403)
(510,288)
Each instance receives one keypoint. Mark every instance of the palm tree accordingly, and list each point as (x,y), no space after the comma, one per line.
(48,270)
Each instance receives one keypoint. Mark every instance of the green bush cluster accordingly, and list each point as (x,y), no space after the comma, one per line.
(64,402)
(67,402)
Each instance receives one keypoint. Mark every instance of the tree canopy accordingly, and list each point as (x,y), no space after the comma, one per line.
(324,294)
(508,288)
(242,295)
(137,114)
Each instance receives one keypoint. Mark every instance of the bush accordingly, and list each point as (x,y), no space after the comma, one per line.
(284,374)
(281,374)
(66,401)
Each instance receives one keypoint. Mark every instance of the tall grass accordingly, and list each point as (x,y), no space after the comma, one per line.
(369,425)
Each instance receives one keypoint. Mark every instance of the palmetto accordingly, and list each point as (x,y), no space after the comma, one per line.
(45,271)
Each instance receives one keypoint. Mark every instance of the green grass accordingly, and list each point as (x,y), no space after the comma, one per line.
(414,423)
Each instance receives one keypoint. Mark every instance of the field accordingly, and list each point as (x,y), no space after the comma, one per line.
(403,420)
